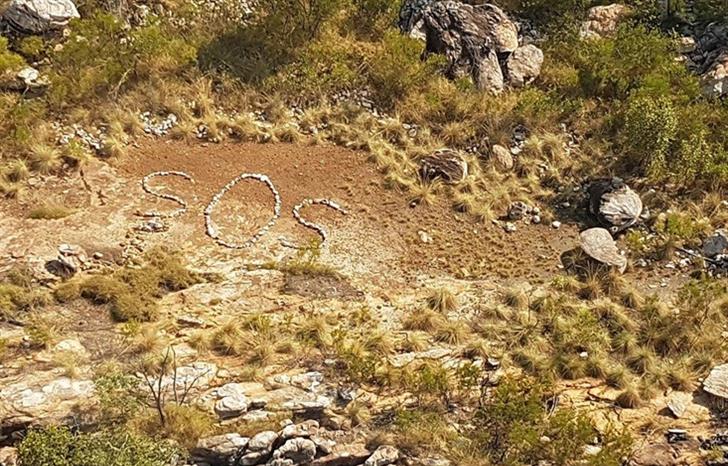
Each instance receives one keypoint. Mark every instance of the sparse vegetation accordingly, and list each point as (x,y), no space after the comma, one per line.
(131,294)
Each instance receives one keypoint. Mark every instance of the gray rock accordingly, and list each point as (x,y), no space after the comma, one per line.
(383,456)
(715,244)
(502,158)
(445,165)
(263,441)
(304,429)
(524,65)
(218,450)
(598,244)
(297,450)
(40,16)
(350,455)
(715,80)
(231,406)
(678,403)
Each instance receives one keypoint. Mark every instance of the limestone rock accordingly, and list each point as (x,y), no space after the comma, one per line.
(445,165)
(350,455)
(383,456)
(502,158)
(40,16)
(715,244)
(518,210)
(717,382)
(598,244)
(8,456)
(218,450)
(524,65)
(603,20)
(297,450)
(615,204)
(231,406)
(263,441)
(304,429)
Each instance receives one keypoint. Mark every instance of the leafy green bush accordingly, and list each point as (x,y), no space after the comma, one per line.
(9,61)
(102,57)
(510,425)
(650,128)
(57,446)
(396,70)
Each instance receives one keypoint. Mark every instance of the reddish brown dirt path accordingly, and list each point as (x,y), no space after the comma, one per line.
(379,236)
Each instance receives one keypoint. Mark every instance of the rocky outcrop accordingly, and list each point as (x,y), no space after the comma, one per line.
(477,40)
(445,165)
(603,21)
(303,443)
(615,205)
(708,58)
(39,16)
(598,244)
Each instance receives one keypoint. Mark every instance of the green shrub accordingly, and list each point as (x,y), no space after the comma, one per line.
(650,128)
(510,424)
(397,70)
(57,446)
(9,61)
(102,57)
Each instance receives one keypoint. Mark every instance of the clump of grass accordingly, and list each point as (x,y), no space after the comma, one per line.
(442,300)
(315,331)
(50,211)
(630,398)
(132,293)
(44,159)
(452,332)
(424,320)
(227,339)
(20,296)
(516,298)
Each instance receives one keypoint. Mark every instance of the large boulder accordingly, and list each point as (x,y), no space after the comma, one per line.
(39,16)
(615,204)
(445,165)
(524,65)
(598,244)
(604,20)
(477,40)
